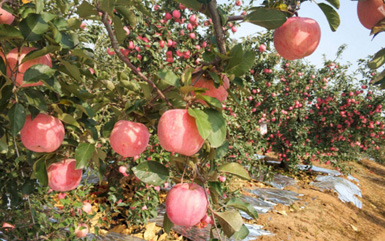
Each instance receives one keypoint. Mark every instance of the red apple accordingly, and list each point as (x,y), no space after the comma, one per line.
(62,176)
(8,226)
(297,38)
(176,14)
(44,133)
(178,132)
(14,58)
(262,48)
(81,230)
(186,204)
(129,138)
(370,12)
(6,17)
(87,207)
(220,93)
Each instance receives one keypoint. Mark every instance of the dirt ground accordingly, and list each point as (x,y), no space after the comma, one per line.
(322,216)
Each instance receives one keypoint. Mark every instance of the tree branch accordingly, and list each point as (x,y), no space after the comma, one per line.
(115,46)
(219,34)
(236,18)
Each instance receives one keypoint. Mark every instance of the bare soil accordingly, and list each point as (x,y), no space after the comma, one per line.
(322,216)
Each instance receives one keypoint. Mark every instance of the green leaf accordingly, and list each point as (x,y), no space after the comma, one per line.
(73,70)
(86,10)
(235,169)
(167,224)
(38,72)
(140,6)
(334,3)
(48,16)
(40,52)
(193,4)
(216,186)
(151,172)
(33,27)
(6,94)
(267,18)
(83,154)
(235,55)
(241,205)
(230,221)
(3,147)
(39,5)
(34,111)
(240,62)
(40,171)
(380,79)
(169,77)
(107,6)
(68,119)
(378,28)
(186,76)
(378,59)
(218,125)
(331,15)
(146,88)
(28,187)
(119,31)
(63,5)
(222,150)
(9,32)
(241,234)
(212,101)
(17,118)
(211,125)
(202,121)
(36,98)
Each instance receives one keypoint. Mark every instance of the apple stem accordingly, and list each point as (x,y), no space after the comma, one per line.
(184,172)
(115,46)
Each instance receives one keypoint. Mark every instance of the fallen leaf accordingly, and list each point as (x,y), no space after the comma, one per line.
(354,228)
(282,212)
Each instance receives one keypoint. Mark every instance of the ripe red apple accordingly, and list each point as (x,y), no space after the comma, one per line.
(129,138)
(220,93)
(178,132)
(8,226)
(297,38)
(14,59)
(6,17)
(87,207)
(186,204)
(81,230)
(370,12)
(44,133)
(62,176)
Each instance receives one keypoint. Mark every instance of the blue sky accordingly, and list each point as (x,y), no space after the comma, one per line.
(350,32)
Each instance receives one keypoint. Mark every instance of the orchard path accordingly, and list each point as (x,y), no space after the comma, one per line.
(325,217)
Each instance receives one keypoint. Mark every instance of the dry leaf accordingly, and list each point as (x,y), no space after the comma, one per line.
(354,228)
(118,229)
(282,212)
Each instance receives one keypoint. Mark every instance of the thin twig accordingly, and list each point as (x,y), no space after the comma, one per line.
(115,46)
(212,212)
(209,204)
